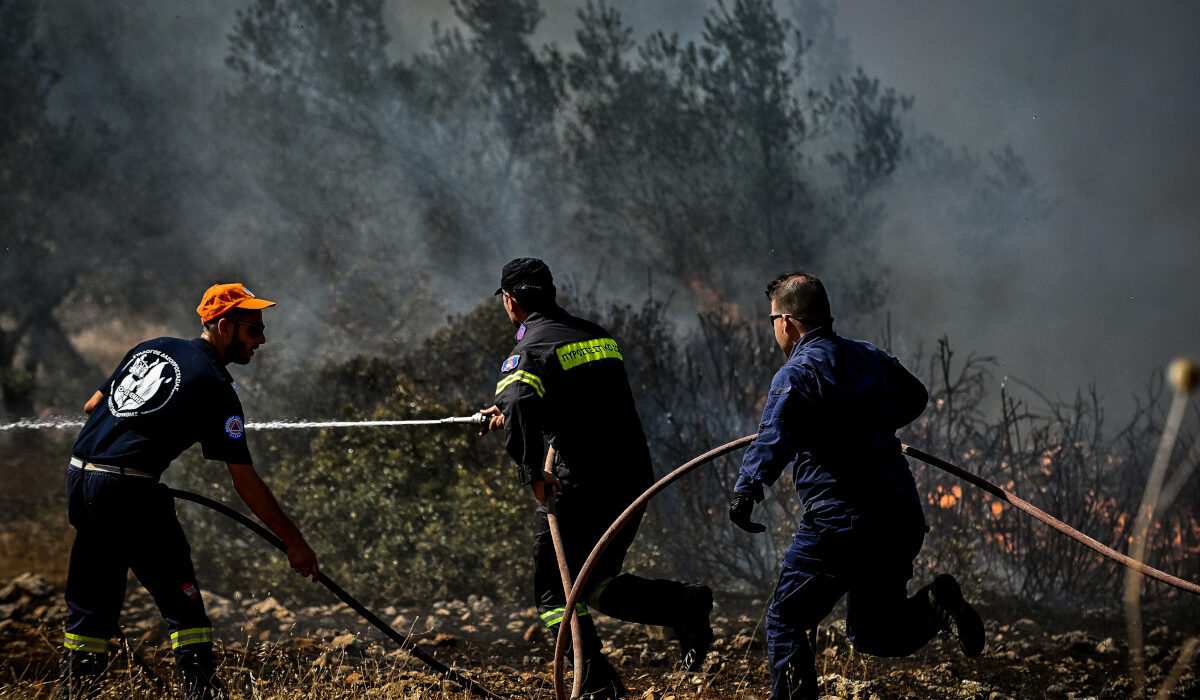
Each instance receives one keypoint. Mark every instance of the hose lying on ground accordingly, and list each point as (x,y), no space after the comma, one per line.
(404,642)
(1039,514)
(640,503)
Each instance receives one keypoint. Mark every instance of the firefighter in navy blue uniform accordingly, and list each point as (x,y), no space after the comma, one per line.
(166,395)
(565,379)
(832,412)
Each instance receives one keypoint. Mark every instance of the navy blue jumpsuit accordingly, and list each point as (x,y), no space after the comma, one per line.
(832,412)
(166,395)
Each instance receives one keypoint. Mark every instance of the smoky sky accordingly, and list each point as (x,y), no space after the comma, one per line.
(1099,99)
(1102,101)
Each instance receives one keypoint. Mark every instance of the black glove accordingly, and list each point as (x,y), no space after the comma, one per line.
(740,507)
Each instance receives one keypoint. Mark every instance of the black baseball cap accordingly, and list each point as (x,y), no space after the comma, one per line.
(525,273)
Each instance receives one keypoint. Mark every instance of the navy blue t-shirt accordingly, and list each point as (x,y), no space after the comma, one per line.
(165,396)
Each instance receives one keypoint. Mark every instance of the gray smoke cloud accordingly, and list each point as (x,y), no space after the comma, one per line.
(1098,99)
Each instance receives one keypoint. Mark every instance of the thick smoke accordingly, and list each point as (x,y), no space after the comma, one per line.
(1100,101)
(1046,215)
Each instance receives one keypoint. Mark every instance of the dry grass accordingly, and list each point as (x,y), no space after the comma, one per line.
(147,679)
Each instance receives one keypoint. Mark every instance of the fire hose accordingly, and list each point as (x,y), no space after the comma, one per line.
(1023,505)
(564,570)
(66,423)
(640,502)
(606,539)
(405,642)
(575,590)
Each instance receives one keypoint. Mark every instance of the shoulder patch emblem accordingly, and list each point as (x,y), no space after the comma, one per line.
(510,363)
(521,332)
(234,427)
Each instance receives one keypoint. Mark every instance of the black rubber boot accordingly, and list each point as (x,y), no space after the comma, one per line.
(695,633)
(198,672)
(80,674)
(684,607)
(600,680)
(956,615)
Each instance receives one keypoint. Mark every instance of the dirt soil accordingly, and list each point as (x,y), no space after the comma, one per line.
(268,650)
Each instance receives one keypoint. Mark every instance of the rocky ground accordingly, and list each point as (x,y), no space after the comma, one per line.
(268,650)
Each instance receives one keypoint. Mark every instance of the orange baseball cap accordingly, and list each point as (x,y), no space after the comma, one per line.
(221,298)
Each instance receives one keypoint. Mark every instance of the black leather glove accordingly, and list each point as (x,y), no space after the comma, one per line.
(740,507)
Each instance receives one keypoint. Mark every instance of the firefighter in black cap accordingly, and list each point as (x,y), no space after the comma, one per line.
(165,396)
(565,380)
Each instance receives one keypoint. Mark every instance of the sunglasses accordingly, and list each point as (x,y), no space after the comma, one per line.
(255,328)
(809,321)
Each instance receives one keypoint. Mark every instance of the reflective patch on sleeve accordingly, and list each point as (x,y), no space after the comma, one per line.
(575,354)
(522,376)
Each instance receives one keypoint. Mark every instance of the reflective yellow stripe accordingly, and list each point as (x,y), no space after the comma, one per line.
(82,643)
(577,354)
(522,376)
(555,616)
(196,635)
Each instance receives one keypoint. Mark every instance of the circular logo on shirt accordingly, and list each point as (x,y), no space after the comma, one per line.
(145,384)
(234,427)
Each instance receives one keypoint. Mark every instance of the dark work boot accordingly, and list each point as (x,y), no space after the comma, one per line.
(600,680)
(695,633)
(955,614)
(198,672)
(80,674)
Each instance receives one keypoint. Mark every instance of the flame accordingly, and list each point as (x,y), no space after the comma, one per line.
(997,509)
(949,497)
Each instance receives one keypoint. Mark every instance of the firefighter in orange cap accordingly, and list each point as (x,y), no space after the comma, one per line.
(166,395)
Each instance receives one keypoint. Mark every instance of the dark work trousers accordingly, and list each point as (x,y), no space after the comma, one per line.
(123,523)
(583,519)
(871,565)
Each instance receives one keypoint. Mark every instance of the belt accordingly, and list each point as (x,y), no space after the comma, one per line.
(124,471)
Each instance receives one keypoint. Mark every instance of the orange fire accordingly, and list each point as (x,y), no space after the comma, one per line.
(948,497)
